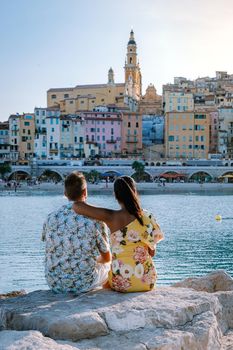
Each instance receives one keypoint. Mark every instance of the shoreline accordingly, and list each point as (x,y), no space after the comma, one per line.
(143,188)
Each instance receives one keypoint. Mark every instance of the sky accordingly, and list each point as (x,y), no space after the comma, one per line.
(63,43)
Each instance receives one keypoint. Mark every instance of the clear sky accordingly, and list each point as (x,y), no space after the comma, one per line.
(63,43)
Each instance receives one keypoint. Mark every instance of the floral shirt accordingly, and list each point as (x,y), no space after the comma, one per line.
(73,243)
(133,269)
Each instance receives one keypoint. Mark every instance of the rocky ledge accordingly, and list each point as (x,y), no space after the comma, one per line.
(167,318)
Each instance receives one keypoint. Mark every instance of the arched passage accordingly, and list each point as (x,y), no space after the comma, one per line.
(171,176)
(201,176)
(142,177)
(227,177)
(19,175)
(50,175)
(111,175)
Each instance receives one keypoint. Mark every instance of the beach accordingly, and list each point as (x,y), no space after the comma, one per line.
(103,188)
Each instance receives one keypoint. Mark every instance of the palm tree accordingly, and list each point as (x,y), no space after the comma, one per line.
(4,169)
(139,168)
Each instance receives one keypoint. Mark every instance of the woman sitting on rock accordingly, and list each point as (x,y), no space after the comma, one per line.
(134,234)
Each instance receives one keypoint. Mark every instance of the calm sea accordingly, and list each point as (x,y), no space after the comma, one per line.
(194,242)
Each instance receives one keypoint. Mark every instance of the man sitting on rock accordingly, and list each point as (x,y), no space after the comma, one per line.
(77,249)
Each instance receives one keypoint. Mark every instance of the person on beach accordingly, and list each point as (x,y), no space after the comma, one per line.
(134,235)
(77,255)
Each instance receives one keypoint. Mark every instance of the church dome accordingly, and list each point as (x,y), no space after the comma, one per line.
(132,42)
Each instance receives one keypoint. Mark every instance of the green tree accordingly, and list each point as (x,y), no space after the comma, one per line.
(92,176)
(5,168)
(139,169)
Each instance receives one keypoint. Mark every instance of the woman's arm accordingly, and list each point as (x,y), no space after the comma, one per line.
(101,214)
(104,258)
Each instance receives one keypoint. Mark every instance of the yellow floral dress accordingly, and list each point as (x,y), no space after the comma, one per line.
(132,267)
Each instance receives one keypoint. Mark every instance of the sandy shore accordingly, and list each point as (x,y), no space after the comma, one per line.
(143,188)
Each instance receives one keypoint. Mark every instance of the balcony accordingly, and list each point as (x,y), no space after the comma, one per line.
(67,148)
(131,141)
(111,141)
(91,143)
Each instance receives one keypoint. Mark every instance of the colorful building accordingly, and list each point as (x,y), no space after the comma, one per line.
(152,130)
(53,132)
(5,154)
(103,130)
(27,135)
(14,136)
(178,102)
(225,132)
(71,137)
(187,134)
(131,134)
(40,142)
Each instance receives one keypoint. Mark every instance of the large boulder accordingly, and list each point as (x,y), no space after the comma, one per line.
(168,318)
(213,282)
(29,340)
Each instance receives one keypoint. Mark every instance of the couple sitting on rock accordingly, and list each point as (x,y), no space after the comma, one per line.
(78,253)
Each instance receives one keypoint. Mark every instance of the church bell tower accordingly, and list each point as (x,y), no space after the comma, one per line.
(132,69)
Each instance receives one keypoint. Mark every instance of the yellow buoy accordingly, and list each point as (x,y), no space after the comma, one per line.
(218,217)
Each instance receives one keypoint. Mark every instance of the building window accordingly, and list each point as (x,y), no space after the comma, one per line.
(71,102)
(54,96)
(200,116)
(27,123)
(171,138)
(129,124)
(136,124)
(66,95)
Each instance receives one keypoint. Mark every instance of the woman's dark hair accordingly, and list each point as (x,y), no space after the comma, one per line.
(126,193)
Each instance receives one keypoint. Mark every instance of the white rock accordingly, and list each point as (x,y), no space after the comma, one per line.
(164,319)
(29,340)
(213,282)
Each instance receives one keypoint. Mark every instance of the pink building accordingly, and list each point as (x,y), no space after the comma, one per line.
(104,130)
(214,127)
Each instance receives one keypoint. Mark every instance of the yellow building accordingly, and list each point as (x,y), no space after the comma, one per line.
(86,97)
(187,134)
(178,101)
(26,140)
(21,135)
